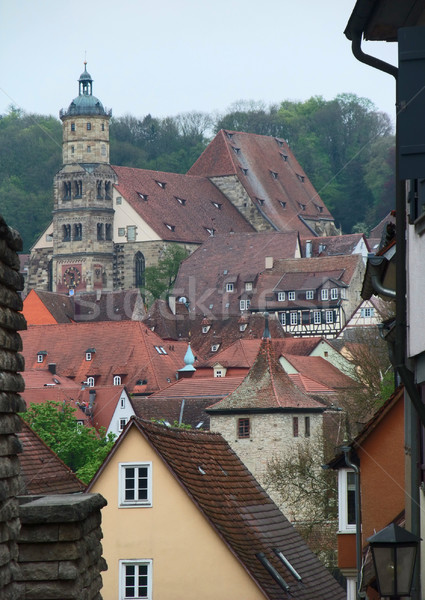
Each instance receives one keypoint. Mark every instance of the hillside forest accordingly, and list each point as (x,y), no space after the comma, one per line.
(345,146)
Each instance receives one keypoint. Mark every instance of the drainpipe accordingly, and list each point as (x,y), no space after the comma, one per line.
(351,465)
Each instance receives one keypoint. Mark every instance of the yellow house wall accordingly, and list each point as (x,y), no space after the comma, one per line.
(190,561)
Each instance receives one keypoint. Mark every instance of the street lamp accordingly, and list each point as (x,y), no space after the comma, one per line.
(394,553)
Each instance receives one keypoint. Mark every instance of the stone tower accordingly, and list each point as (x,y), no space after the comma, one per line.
(83,213)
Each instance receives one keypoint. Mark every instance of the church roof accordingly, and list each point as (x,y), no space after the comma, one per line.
(179,208)
(274,180)
(267,387)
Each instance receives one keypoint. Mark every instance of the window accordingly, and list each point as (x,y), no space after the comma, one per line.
(343,293)
(329,316)
(117,380)
(118,200)
(78,231)
(291,295)
(88,355)
(88,148)
(317,317)
(135,484)
(243,428)
(170,227)
(66,233)
(347,500)
(282,318)
(301,178)
(122,402)
(334,293)
(121,231)
(131,233)
(103,150)
(295,426)
(40,358)
(230,287)
(88,126)
(244,304)
(243,326)
(367,312)
(90,381)
(136,579)
(206,328)
(274,174)
(100,233)
(248,286)
(309,295)
(72,126)
(281,296)
(215,347)
(103,126)
(293,318)
(142,196)
(282,203)
(324,294)
(302,206)
(72,149)
(122,423)
(218,373)
(139,269)
(307,426)
(108,231)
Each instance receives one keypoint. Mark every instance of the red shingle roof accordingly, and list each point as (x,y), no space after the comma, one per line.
(120,345)
(322,371)
(333,245)
(42,470)
(238,509)
(179,208)
(271,175)
(267,387)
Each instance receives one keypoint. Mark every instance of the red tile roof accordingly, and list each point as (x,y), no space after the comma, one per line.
(42,471)
(199,387)
(322,371)
(183,208)
(271,175)
(267,387)
(233,258)
(238,509)
(126,348)
(333,245)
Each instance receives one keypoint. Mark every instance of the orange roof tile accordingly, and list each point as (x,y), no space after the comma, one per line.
(322,371)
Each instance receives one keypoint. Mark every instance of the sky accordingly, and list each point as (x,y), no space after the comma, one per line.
(175,56)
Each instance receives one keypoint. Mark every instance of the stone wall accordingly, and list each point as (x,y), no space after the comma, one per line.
(60,554)
(38,269)
(11,383)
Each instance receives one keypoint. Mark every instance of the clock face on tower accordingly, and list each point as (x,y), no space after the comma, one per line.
(71,277)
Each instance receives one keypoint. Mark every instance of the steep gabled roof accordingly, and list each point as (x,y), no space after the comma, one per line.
(267,387)
(42,471)
(125,348)
(238,509)
(43,308)
(322,371)
(179,208)
(333,245)
(271,175)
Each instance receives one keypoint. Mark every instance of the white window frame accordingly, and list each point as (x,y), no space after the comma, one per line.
(40,358)
(88,355)
(117,379)
(317,317)
(145,562)
(248,286)
(206,328)
(324,294)
(293,318)
(244,304)
(367,312)
(282,318)
(121,231)
(230,287)
(343,488)
(281,296)
(329,316)
(334,293)
(135,502)
(291,295)
(122,422)
(309,295)
(122,402)
(90,381)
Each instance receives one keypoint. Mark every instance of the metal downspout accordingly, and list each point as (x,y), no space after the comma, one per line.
(351,465)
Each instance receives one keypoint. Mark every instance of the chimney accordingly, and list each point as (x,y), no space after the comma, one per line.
(269,262)
(308,248)
(52,368)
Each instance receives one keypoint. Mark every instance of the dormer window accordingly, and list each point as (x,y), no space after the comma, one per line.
(210,231)
(160,350)
(229,135)
(206,328)
(279,142)
(281,296)
(274,174)
(217,205)
(181,201)
(236,150)
(319,208)
(334,293)
(41,355)
(302,206)
(301,177)
(243,326)
(284,156)
(282,203)
(143,196)
(230,287)
(89,353)
(324,294)
(260,201)
(90,382)
(170,227)
(248,286)
(309,295)
(117,380)
(291,296)
(244,170)
(161,184)
(215,347)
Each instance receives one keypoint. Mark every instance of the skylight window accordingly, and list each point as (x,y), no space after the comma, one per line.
(161,184)
(180,200)
(142,196)
(284,156)
(301,177)
(274,174)
(244,170)
(282,203)
(236,150)
(217,205)
(170,227)
(302,206)
(210,230)
(319,208)
(160,350)
(260,201)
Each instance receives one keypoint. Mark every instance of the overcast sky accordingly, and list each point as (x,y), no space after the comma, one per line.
(172,56)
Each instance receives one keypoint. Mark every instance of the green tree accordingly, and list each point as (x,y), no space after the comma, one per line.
(159,279)
(82,448)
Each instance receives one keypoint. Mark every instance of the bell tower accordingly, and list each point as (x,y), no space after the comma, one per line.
(83,212)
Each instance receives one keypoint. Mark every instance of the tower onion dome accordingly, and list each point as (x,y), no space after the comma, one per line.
(85,103)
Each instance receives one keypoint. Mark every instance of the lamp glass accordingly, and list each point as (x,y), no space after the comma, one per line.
(405,562)
(384,565)
(394,569)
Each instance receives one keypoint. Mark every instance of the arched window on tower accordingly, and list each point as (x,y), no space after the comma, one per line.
(78,185)
(67,190)
(99,188)
(108,231)
(100,233)
(139,269)
(78,231)
(107,190)
(66,231)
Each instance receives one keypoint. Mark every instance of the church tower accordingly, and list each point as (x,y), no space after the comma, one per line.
(83,211)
